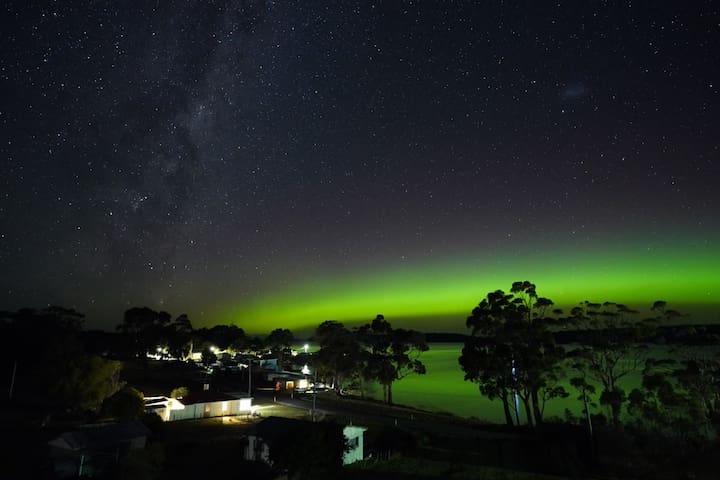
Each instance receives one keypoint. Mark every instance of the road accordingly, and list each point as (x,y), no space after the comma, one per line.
(355,413)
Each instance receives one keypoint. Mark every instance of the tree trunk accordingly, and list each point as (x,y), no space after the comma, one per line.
(528,411)
(615,408)
(516,409)
(588,419)
(388,395)
(506,410)
(536,407)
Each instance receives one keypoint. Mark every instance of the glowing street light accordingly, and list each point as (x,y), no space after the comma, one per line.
(305,347)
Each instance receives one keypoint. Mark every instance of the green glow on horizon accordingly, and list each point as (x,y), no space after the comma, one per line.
(637,276)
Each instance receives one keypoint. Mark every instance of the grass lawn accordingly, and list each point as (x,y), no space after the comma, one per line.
(221,428)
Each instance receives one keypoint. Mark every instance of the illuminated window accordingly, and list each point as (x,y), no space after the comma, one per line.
(224,406)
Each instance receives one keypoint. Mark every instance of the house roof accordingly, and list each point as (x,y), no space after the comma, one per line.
(206,396)
(99,436)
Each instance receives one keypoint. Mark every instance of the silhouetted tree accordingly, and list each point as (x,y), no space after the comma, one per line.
(586,389)
(85,381)
(180,337)
(222,336)
(511,351)
(612,349)
(51,363)
(658,404)
(392,354)
(179,392)
(278,340)
(208,356)
(699,375)
(146,330)
(126,404)
(312,452)
(340,356)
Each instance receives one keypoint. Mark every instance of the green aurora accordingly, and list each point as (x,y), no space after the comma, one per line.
(438,296)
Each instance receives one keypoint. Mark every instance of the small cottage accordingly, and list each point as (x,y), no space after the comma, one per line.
(200,404)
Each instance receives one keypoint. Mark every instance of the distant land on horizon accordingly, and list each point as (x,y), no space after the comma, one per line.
(450,324)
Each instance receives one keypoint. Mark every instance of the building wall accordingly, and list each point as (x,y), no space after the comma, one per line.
(354,437)
(213,409)
(186,413)
(257,450)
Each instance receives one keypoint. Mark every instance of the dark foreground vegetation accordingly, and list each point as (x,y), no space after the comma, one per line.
(520,351)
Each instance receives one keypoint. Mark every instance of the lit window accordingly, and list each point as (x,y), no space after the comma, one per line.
(224,406)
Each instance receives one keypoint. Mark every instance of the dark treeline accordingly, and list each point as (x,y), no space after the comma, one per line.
(55,362)
(653,389)
(521,349)
(649,391)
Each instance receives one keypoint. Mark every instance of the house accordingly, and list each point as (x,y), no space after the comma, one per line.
(91,449)
(354,436)
(269,364)
(200,404)
(273,431)
(283,380)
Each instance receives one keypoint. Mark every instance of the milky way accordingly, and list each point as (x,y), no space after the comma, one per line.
(249,162)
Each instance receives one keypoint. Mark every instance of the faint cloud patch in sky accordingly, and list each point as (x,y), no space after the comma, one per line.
(573,91)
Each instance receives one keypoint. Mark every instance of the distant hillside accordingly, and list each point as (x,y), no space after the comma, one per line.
(687,334)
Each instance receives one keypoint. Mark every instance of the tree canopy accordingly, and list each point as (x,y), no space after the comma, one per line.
(340,356)
(146,329)
(511,353)
(391,354)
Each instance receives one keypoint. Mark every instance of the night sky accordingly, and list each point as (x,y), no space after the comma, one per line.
(277,164)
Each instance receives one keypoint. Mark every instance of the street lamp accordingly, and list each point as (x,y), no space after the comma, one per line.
(314,395)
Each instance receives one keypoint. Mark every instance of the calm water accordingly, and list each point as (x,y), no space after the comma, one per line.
(443,388)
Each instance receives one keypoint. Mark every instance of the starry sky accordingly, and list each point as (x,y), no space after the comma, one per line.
(278,164)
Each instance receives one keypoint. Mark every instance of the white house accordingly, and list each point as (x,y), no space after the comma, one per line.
(198,405)
(354,437)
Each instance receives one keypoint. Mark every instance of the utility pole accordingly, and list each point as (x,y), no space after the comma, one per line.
(249,377)
(313,410)
(314,395)
(12,380)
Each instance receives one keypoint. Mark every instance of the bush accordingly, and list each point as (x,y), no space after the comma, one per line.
(155,424)
(179,392)
(126,404)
